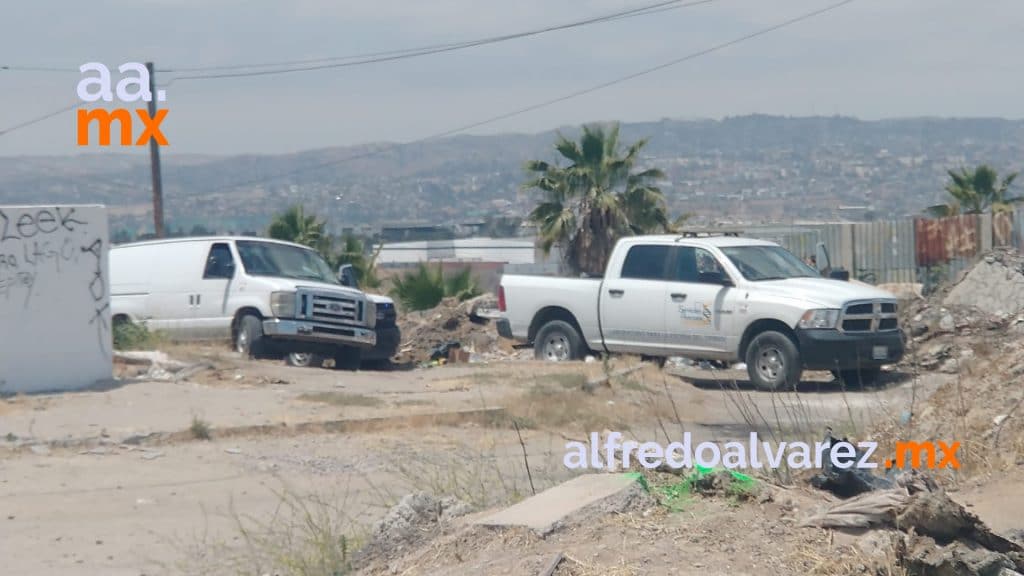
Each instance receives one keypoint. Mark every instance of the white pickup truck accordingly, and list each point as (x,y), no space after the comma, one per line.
(724,298)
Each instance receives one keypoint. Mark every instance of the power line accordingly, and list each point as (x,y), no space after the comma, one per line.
(361,59)
(286,66)
(546,103)
(38,119)
(36,69)
(388,56)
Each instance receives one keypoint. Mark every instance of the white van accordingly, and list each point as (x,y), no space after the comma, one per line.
(265,295)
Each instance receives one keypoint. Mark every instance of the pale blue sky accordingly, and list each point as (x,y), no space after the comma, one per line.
(871,59)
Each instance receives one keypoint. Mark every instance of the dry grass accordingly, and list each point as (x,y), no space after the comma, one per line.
(342,399)
(307,535)
(200,429)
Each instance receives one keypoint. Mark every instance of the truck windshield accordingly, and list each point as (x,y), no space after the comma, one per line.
(758,263)
(283,261)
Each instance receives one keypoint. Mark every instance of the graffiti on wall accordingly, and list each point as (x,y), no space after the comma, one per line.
(39,246)
(945,239)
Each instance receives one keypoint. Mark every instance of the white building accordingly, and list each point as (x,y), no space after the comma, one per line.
(504,250)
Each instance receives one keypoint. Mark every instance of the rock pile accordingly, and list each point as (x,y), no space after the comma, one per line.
(984,310)
(468,323)
(410,522)
(994,286)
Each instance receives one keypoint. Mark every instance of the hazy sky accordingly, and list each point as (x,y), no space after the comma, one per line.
(872,58)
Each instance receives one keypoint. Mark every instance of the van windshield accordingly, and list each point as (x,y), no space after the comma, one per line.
(283,261)
(758,263)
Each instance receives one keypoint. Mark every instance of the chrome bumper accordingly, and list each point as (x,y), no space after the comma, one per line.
(317,332)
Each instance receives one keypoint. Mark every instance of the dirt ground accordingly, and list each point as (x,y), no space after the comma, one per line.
(121,480)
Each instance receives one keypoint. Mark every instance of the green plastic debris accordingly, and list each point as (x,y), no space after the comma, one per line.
(676,495)
(638,477)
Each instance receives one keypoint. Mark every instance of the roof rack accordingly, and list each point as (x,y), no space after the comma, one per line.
(698,232)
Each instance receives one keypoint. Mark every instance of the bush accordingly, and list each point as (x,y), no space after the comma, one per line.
(131,336)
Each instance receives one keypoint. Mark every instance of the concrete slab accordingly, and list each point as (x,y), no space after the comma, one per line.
(545,511)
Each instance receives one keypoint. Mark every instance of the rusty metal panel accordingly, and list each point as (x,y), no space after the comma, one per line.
(945,239)
(1018,228)
(946,247)
(1002,229)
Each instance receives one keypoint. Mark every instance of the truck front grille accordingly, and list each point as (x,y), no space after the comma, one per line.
(331,308)
(869,316)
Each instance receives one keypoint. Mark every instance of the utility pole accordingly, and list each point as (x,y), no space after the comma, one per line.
(154,161)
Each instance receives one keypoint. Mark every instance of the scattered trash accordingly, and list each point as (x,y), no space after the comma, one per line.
(850,481)
(708,482)
(232,450)
(40,449)
(936,535)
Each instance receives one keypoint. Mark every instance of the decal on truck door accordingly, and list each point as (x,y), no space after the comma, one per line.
(697,315)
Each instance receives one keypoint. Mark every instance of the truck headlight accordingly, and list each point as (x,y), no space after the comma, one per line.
(369,313)
(819,319)
(282,304)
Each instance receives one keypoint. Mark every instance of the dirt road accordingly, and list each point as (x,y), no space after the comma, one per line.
(121,481)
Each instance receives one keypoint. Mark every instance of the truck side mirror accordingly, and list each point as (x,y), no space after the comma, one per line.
(821,258)
(347,276)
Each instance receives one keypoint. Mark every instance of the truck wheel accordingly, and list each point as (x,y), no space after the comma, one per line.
(862,377)
(773,362)
(249,339)
(304,360)
(558,341)
(348,358)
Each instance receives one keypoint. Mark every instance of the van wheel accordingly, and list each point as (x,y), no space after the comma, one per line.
(773,362)
(304,360)
(348,358)
(558,341)
(249,339)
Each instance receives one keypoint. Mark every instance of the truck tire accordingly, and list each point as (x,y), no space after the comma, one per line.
(348,358)
(558,341)
(304,360)
(860,377)
(249,339)
(773,362)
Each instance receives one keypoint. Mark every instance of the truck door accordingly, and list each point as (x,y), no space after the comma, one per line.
(632,307)
(211,317)
(700,300)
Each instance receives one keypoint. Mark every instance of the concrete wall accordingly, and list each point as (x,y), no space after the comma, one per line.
(54,298)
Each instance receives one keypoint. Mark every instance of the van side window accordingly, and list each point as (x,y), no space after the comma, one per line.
(646,263)
(219,264)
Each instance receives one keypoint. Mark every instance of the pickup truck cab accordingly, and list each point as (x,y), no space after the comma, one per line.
(265,295)
(723,298)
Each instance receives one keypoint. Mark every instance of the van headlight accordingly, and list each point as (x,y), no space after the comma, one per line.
(282,304)
(826,318)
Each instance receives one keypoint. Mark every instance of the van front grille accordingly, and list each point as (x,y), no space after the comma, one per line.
(331,308)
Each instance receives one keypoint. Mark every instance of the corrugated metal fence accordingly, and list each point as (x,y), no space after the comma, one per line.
(922,250)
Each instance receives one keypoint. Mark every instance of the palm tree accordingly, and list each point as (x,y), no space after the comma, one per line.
(596,199)
(354,252)
(294,226)
(425,287)
(975,192)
